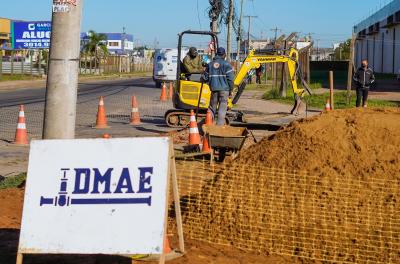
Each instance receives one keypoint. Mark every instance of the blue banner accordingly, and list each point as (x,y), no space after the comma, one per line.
(31,35)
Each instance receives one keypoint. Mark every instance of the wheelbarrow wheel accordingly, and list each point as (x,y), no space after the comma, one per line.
(221,155)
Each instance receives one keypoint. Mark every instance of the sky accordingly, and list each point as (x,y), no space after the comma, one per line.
(157,22)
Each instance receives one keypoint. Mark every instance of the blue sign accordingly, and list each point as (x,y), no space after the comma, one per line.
(31,35)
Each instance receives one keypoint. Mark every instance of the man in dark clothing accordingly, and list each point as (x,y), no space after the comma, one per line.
(193,62)
(363,77)
(220,77)
(259,72)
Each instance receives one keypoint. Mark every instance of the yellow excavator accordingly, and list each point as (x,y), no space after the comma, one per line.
(195,94)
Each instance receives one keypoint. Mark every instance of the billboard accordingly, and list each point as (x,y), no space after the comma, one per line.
(31,35)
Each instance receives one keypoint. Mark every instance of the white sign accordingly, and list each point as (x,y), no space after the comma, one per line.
(60,8)
(96,196)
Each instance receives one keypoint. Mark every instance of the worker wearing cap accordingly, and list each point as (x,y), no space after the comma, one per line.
(220,78)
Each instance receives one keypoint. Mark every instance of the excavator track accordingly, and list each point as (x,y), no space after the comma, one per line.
(176,118)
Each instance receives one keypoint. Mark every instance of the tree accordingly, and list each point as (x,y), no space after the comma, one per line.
(97,43)
(343,51)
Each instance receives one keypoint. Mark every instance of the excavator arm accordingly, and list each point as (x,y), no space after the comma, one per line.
(253,61)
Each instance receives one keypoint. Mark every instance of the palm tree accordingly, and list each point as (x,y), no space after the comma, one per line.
(96,42)
(96,45)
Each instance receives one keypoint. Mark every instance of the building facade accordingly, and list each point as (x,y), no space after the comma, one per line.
(378,39)
(117,43)
(5,33)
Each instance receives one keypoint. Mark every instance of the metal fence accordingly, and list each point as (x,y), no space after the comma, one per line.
(335,219)
(34,63)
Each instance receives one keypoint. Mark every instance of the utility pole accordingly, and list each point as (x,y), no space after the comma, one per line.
(62,78)
(276,29)
(248,32)
(239,37)
(228,41)
(213,15)
(351,66)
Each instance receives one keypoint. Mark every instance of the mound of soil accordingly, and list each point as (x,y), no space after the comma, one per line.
(325,188)
(358,142)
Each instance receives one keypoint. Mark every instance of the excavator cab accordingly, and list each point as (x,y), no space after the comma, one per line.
(190,93)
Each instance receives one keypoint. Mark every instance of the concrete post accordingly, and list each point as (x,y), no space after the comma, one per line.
(62,80)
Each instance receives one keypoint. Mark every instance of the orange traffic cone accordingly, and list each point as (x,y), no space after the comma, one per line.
(163,96)
(135,117)
(107,136)
(206,145)
(101,121)
(21,136)
(209,118)
(194,136)
(328,105)
(167,248)
(170,90)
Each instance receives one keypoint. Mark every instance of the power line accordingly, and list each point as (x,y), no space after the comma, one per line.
(198,14)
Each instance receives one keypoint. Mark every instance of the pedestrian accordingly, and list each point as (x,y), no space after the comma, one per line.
(220,78)
(259,72)
(364,78)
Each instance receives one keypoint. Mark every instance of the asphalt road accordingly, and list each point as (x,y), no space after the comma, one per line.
(37,95)
(117,95)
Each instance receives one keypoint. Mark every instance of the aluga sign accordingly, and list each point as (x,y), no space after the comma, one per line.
(31,35)
(96,196)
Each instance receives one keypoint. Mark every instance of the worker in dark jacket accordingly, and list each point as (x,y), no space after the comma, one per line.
(363,77)
(220,77)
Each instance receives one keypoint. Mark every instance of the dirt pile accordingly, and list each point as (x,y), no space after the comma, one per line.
(325,188)
(359,142)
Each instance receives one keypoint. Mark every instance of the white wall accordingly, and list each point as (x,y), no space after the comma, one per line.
(397,50)
(380,58)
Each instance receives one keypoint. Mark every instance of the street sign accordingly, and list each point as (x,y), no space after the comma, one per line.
(96,196)
(31,35)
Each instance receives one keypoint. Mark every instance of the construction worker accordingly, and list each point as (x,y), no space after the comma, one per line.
(193,62)
(363,77)
(220,77)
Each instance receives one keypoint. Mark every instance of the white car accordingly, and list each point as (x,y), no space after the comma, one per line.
(164,66)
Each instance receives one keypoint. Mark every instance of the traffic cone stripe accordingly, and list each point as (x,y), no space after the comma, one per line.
(21,114)
(193,130)
(21,126)
(135,110)
(101,102)
(192,118)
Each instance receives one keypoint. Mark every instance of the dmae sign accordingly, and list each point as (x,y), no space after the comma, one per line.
(31,35)
(96,196)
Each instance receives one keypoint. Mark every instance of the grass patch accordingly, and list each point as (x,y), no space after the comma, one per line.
(319,100)
(12,181)
(18,77)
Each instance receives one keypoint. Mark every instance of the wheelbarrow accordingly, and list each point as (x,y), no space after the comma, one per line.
(225,139)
